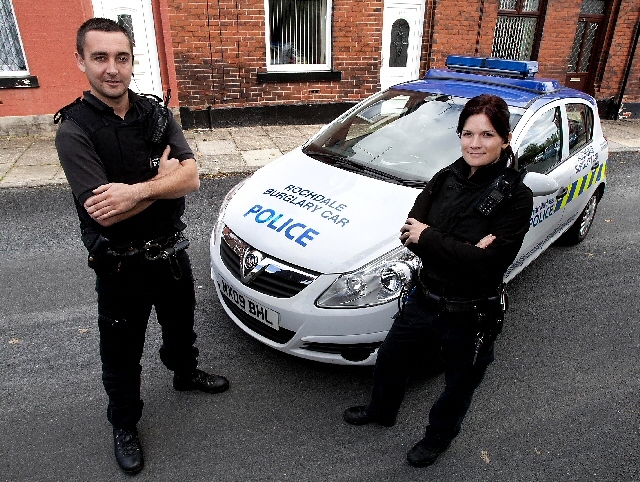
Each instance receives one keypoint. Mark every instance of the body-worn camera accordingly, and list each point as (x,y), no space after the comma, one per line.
(156,128)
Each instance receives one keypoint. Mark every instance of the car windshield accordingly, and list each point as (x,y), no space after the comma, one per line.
(398,135)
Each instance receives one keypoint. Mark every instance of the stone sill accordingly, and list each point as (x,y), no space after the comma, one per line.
(30,82)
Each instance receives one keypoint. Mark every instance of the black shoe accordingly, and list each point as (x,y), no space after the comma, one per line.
(359,416)
(200,380)
(128,450)
(425,452)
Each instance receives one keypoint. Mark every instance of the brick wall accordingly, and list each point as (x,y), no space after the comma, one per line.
(220,48)
(619,50)
(557,38)
(445,34)
(455,29)
(49,38)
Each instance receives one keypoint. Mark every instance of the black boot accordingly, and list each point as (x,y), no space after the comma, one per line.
(128,450)
(359,416)
(425,452)
(199,380)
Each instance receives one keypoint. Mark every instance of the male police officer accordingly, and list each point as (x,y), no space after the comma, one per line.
(129,167)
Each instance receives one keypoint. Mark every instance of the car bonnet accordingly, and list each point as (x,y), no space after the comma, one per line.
(317,216)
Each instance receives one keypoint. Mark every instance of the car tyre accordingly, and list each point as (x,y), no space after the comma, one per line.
(580,228)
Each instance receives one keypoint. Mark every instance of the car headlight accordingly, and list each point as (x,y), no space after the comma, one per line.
(378,282)
(225,202)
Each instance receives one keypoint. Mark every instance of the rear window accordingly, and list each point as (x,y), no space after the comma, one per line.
(580,117)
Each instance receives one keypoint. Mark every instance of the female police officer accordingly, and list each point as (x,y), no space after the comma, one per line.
(466,226)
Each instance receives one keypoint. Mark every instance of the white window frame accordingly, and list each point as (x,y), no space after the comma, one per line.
(326,66)
(16,73)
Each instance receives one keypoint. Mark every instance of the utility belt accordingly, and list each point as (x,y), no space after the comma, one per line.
(155,249)
(106,257)
(491,305)
(489,311)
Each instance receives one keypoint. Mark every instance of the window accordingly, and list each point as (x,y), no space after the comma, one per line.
(541,148)
(13,62)
(517,28)
(298,35)
(399,45)
(580,117)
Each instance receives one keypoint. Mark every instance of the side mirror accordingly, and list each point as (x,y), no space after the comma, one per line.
(540,184)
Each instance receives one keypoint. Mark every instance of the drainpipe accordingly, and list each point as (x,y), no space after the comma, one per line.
(627,70)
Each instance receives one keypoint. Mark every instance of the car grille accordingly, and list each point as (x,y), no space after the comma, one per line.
(277,279)
(279,336)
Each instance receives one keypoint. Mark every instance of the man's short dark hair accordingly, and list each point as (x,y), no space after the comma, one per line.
(100,25)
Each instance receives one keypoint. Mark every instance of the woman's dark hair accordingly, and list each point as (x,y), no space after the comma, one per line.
(494,107)
(101,25)
(496,110)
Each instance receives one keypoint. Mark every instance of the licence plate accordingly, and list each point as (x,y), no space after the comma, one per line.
(250,307)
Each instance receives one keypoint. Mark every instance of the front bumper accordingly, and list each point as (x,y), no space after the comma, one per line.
(339,336)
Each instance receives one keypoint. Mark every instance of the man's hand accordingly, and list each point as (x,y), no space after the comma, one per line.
(486,241)
(114,202)
(112,199)
(167,165)
(411,230)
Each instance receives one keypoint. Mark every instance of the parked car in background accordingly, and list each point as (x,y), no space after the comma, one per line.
(305,254)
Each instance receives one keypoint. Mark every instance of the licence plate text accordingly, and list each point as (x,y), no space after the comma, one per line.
(250,307)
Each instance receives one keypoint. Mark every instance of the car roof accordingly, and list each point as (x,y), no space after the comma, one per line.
(471,76)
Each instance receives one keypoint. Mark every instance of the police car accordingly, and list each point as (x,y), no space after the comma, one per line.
(305,254)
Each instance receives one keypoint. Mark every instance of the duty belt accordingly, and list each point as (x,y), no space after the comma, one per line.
(154,249)
(490,304)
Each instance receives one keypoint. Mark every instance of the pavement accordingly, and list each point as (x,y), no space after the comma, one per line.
(29,161)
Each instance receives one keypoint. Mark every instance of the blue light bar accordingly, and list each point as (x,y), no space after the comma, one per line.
(537,86)
(525,69)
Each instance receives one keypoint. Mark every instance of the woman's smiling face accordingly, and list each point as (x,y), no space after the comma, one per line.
(480,143)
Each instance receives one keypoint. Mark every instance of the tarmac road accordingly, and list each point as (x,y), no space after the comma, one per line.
(559,403)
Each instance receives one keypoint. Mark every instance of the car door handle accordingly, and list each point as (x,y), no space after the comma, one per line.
(562,193)
(595,165)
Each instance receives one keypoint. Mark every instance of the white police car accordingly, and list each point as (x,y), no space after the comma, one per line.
(305,255)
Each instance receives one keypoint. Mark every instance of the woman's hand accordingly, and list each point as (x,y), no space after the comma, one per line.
(486,241)
(411,230)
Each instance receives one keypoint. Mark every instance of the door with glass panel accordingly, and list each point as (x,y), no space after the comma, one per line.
(137,17)
(583,60)
(402,28)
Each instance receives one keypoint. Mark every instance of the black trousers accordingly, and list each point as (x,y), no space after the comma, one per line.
(422,327)
(125,300)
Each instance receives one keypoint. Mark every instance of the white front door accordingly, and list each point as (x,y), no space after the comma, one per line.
(137,16)
(402,25)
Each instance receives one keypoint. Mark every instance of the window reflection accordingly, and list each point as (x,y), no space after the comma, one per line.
(541,148)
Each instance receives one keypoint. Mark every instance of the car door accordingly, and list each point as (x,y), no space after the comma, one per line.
(540,149)
(581,169)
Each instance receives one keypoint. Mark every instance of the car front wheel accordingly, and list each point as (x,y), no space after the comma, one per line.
(580,228)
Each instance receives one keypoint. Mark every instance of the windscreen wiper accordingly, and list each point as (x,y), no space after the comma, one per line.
(349,165)
(334,160)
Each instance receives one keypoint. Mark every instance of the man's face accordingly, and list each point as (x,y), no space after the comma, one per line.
(108,64)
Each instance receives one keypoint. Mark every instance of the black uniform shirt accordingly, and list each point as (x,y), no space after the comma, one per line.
(85,171)
(452,264)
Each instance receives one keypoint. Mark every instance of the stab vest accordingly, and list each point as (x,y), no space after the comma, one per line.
(472,220)
(124,152)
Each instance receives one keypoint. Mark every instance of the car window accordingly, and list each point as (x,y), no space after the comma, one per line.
(580,118)
(541,147)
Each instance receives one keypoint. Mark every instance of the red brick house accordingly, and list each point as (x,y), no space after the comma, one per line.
(231,61)
(38,72)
